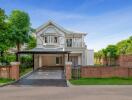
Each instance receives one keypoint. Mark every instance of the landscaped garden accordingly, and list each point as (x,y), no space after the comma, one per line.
(26,64)
(102,81)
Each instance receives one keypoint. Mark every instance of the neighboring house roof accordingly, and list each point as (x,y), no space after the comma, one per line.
(57,26)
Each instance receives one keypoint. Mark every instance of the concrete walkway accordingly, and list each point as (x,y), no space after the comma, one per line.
(44,77)
(67,93)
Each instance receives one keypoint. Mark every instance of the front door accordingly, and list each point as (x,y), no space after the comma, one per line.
(74,60)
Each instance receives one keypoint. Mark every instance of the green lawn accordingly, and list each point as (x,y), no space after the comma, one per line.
(102,81)
(5,80)
(24,71)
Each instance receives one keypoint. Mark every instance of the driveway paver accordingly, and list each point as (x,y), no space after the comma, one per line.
(44,77)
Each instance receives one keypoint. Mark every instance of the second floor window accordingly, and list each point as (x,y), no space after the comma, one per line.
(45,39)
(55,40)
(69,42)
(50,39)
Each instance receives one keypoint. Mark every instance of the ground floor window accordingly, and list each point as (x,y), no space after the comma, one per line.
(58,60)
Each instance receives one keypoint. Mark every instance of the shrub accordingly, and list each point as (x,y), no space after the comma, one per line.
(6,59)
(26,61)
(11,57)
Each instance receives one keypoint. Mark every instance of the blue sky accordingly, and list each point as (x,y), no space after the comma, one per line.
(105,21)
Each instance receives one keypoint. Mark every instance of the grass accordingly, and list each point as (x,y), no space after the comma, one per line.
(102,81)
(5,80)
(25,71)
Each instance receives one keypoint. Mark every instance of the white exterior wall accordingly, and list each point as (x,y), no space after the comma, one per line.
(79,60)
(39,42)
(86,57)
(90,57)
(83,59)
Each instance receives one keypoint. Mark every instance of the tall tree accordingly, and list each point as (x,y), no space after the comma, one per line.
(104,55)
(111,53)
(4,36)
(20,23)
(32,42)
(125,46)
(129,48)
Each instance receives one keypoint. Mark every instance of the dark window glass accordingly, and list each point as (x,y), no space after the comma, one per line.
(55,39)
(69,42)
(57,60)
(45,39)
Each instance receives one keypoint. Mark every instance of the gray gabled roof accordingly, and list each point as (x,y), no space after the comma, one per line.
(57,26)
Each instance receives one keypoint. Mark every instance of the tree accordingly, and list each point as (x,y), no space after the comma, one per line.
(31,42)
(98,56)
(122,46)
(104,56)
(125,46)
(129,48)
(20,23)
(4,36)
(111,52)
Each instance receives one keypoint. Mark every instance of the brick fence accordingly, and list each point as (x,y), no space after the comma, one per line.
(122,60)
(11,71)
(125,60)
(104,72)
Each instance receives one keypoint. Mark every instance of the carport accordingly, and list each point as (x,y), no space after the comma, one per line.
(35,52)
(42,76)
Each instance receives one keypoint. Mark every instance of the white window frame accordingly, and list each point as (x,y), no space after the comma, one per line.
(69,40)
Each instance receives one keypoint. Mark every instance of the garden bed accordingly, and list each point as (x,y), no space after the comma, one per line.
(102,81)
(25,71)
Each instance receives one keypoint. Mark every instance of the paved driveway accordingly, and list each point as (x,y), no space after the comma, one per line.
(67,93)
(44,77)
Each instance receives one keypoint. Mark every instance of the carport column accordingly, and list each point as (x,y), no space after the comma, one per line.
(33,61)
(40,60)
(68,73)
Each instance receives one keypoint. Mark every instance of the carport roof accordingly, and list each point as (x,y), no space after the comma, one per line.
(43,51)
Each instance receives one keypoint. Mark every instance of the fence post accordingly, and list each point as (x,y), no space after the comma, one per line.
(14,70)
(68,70)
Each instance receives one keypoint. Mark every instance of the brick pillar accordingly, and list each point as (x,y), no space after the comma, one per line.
(68,70)
(14,70)
(4,71)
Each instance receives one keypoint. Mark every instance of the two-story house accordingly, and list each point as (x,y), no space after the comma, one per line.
(54,43)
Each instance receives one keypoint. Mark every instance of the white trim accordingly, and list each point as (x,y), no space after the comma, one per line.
(57,26)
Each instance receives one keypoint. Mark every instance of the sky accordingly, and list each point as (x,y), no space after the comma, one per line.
(105,21)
